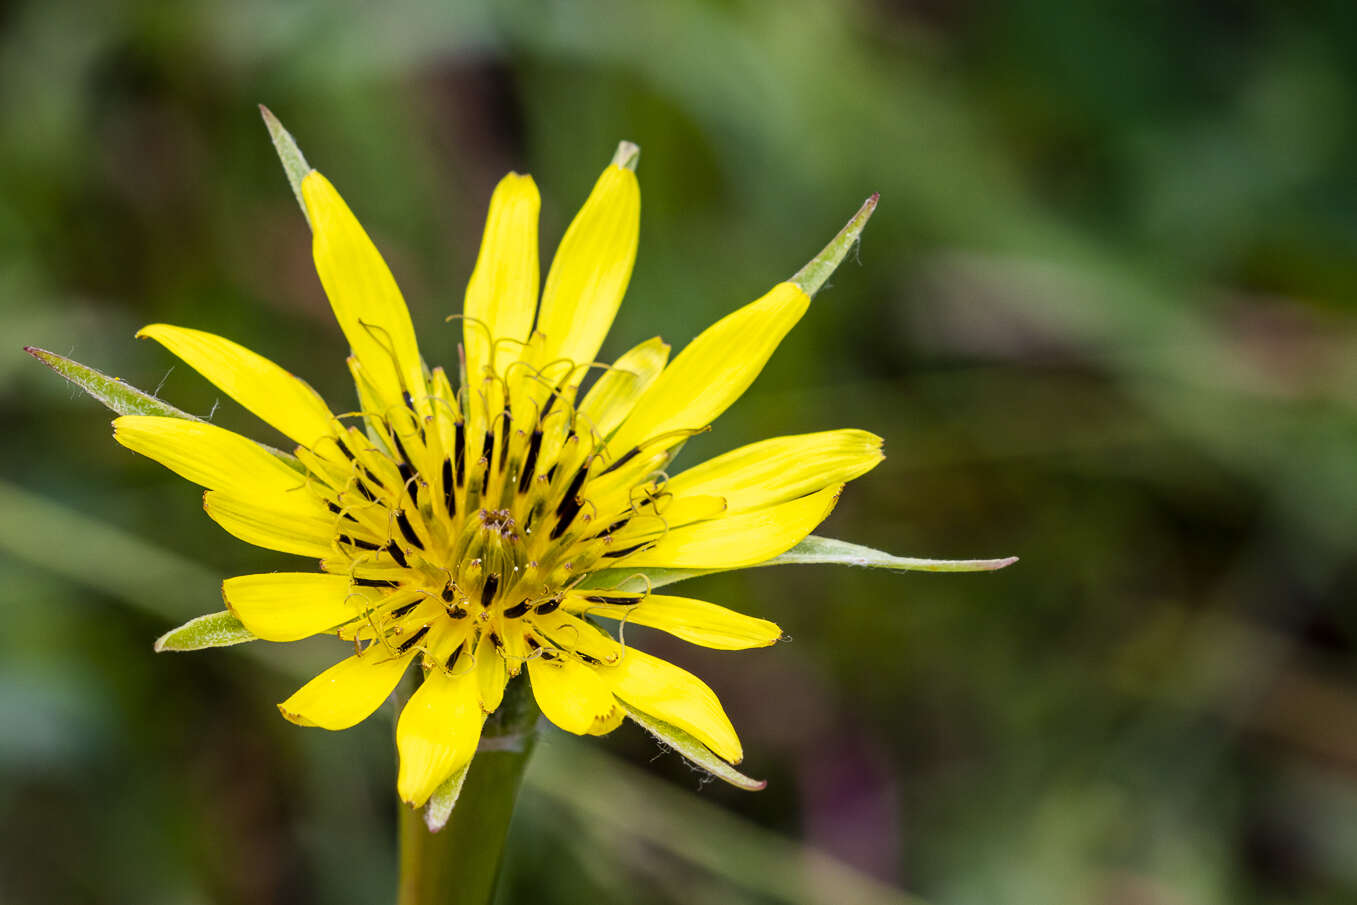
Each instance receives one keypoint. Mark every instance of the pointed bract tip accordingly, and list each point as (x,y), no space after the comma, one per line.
(814,275)
(294,163)
(628,155)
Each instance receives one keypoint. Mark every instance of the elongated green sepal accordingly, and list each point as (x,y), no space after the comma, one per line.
(443,800)
(121,397)
(213,630)
(814,550)
(811,551)
(815,274)
(693,751)
(124,398)
(294,164)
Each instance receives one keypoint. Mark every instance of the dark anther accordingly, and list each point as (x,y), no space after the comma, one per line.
(397,554)
(546,409)
(530,461)
(532,643)
(569,508)
(573,491)
(406,471)
(452,660)
(447,593)
(409,400)
(413,639)
(625,458)
(625,551)
(517,610)
(360,544)
(457,612)
(459,451)
(402,610)
(549,607)
(592,661)
(488,447)
(615,601)
(407,529)
(373,583)
(488,590)
(449,492)
(503,442)
(494,640)
(363,489)
(548,655)
(400,447)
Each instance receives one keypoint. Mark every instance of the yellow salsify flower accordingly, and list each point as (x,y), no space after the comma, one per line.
(456,528)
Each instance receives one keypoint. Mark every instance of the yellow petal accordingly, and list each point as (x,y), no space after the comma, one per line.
(571,694)
(501,298)
(736,541)
(348,692)
(675,696)
(275,396)
(491,675)
(783,468)
(303,530)
(209,456)
(287,606)
(714,370)
(611,399)
(591,270)
(695,621)
(437,733)
(366,301)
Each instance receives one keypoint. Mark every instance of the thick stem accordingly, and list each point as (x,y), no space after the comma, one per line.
(459,865)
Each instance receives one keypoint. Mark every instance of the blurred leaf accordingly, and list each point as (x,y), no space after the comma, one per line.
(693,751)
(618,801)
(213,630)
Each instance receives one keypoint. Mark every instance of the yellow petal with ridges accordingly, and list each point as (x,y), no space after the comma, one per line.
(714,370)
(491,674)
(348,692)
(501,298)
(366,301)
(780,469)
(306,530)
(695,621)
(437,733)
(591,270)
(279,399)
(676,696)
(288,606)
(736,541)
(571,694)
(611,399)
(209,456)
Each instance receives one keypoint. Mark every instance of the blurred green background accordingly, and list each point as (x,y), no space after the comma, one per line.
(1105,317)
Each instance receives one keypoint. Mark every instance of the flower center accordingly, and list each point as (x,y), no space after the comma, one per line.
(460,523)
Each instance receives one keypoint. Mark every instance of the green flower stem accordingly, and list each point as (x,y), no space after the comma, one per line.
(460,864)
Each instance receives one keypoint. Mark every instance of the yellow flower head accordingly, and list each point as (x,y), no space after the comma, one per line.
(463,529)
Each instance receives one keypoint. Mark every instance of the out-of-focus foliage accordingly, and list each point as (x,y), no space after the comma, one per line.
(1104,317)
